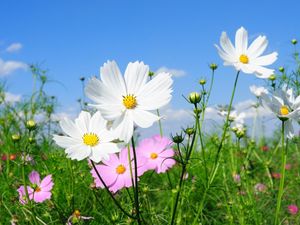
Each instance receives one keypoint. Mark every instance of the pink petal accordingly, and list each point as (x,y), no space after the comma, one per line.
(34,177)
(107,173)
(47,184)
(117,185)
(41,196)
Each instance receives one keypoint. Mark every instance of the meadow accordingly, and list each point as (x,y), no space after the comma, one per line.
(97,169)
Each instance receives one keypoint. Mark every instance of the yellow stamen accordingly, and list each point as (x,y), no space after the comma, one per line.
(76,213)
(284,110)
(153,155)
(244,59)
(129,101)
(37,189)
(120,169)
(90,139)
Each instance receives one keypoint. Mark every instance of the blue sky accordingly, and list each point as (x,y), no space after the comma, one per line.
(74,38)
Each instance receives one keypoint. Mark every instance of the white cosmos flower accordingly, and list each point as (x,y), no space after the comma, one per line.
(234,116)
(258,91)
(244,58)
(87,137)
(285,106)
(127,100)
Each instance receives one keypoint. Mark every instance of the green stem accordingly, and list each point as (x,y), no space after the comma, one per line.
(281,185)
(136,188)
(216,163)
(159,124)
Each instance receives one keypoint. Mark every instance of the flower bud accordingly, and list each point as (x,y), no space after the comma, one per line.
(272,77)
(178,138)
(294,41)
(194,97)
(82,79)
(16,137)
(30,125)
(202,81)
(281,69)
(189,131)
(151,74)
(213,66)
(31,140)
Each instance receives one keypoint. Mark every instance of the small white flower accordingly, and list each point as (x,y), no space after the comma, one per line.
(285,106)
(127,100)
(258,91)
(88,137)
(244,58)
(234,116)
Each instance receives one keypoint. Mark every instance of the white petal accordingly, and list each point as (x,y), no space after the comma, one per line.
(156,93)
(102,151)
(123,126)
(78,152)
(288,129)
(136,75)
(65,142)
(97,123)
(241,41)
(227,45)
(112,78)
(226,57)
(272,104)
(262,72)
(246,68)
(265,60)
(83,121)
(143,118)
(70,128)
(257,47)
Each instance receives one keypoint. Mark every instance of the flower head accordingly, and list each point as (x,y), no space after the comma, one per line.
(293,209)
(244,58)
(260,187)
(258,91)
(127,100)
(115,172)
(39,190)
(157,152)
(76,217)
(88,137)
(284,105)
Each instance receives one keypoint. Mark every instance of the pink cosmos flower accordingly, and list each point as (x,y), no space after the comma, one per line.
(288,166)
(115,172)
(293,209)
(38,191)
(157,152)
(236,178)
(259,187)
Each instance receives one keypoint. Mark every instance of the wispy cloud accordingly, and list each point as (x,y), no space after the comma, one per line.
(174,72)
(8,67)
(14,47)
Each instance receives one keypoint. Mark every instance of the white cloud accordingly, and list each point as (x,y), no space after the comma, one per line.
(8,67)
(14,47)
(174,72)
(9,97)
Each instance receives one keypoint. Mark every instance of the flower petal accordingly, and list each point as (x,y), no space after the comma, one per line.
(241,41)
(227,45)
(123,126)
(257,47)
(34,178)
(136,75)
(78,152)
(265,60)
(83,121)
(65,142)
(47,184)
(143,118)
(70,128)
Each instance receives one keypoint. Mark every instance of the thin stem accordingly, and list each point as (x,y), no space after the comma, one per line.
(136,190)
(159,123)
(216,163)
(281,185)
(110,194)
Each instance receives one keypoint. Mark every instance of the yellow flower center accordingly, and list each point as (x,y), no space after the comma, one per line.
(120,169)
(284,110)
(37,189)
(244,59)
(153,155)
(129,101)
(90,139)
(76,213)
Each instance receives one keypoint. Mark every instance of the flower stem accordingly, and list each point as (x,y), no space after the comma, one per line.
(216,163)
(281,185)
(110,194)
(136,188)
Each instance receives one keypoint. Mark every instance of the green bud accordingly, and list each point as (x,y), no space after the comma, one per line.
(16,137)
(213,66)
(294,41)
(194,97)
(202,81)
(281,69)
(189,131)
(178,138)
(272,77)
(30,125)
(151,74)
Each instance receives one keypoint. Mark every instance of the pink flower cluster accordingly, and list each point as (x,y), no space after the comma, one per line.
(38,191)
(153,153)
